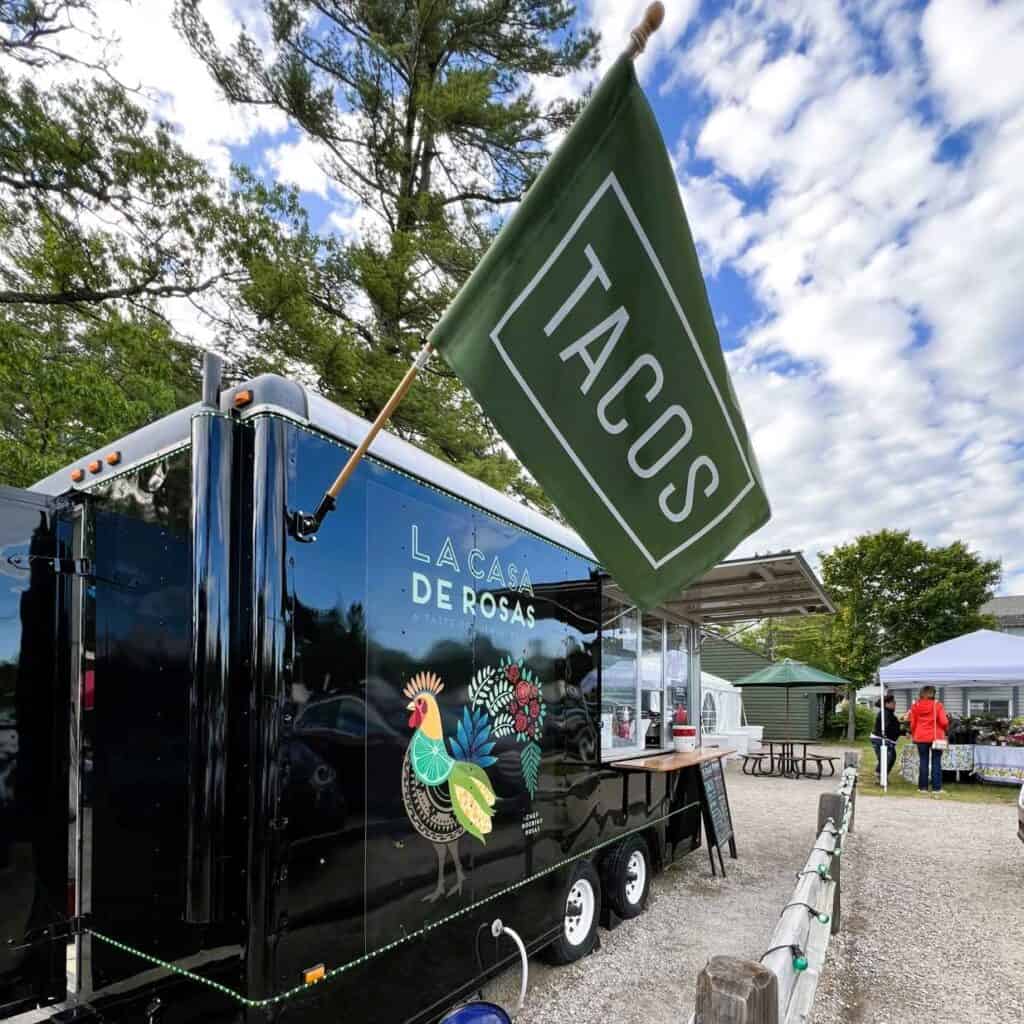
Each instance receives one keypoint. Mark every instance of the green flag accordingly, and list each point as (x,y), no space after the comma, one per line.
(585,333)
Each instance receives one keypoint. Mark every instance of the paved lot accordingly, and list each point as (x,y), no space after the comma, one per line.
(646,970)
(933,926)
(947,943)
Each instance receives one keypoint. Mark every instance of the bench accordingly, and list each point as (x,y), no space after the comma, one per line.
(752,763)
(821,760)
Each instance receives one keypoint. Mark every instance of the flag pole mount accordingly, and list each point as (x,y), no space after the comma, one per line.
(304,527)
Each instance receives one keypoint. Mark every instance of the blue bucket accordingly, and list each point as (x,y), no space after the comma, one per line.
(478,1013)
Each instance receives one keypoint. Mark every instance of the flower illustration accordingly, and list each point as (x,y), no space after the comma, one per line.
(534,709)
(522,722)
(512,672)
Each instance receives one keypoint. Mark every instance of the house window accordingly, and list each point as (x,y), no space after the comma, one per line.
(984,706)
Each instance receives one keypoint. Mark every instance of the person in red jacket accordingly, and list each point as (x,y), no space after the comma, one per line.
(928,722)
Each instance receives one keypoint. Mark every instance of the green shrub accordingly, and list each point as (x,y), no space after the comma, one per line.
(837,722)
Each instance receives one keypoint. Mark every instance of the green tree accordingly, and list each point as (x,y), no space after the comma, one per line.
(68,386)
(895,595)
(103,218)
(805,638)
(425,117)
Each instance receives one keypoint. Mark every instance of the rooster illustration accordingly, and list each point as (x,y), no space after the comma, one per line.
(444,797)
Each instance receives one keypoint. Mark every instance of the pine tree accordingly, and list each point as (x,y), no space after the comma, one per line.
(425,117)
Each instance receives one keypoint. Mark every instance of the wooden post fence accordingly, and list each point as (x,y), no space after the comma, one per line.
(780,988)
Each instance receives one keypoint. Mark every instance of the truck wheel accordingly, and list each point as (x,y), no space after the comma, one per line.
(582,909)
(627,876)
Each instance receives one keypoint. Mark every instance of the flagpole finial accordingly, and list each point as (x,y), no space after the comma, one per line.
(653,17)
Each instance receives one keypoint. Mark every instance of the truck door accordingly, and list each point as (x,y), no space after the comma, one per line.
(36,570)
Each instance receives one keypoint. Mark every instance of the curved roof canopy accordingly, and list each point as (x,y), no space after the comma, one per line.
(981,658)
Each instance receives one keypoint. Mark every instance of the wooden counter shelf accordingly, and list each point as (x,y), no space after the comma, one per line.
(671,762)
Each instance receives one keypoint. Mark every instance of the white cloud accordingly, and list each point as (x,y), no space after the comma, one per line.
(882,377)
(299,163)
(974,50)
(615,19)
(882,384)
(147,54)
(716,220)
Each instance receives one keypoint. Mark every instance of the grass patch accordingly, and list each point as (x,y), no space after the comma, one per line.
(969,791)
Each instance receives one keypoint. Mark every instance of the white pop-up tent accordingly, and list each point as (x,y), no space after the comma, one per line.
(721,715)
(980,672)
(980,663)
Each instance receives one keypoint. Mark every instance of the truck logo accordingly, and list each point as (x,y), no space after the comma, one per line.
(445,787)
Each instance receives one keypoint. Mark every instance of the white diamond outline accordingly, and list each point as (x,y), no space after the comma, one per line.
(612,182)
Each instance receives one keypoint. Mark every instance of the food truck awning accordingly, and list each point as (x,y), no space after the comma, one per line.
(752,588)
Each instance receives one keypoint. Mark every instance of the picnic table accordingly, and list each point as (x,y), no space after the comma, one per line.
(783,759)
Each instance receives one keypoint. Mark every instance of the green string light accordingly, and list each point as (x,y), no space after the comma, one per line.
(259,1004)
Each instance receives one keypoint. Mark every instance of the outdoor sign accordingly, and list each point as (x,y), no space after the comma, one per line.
(586,335)
(717,816)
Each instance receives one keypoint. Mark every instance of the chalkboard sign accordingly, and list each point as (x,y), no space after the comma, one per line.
(715,805)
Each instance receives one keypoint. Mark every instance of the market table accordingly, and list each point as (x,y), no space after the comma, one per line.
(999,764)
(989,763)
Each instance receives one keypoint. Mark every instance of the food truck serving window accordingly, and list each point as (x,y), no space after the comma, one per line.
(644,679)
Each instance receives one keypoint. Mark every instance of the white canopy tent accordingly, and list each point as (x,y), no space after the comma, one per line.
(980,671)
(721,715)
(976,672)
(982,658)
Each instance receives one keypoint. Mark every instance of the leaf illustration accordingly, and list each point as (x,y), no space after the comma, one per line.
(462,743)
(479,681)
(504,725)
(529,761)
(472,742)
(490,689)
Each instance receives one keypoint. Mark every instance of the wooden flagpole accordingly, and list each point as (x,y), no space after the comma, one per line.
(305,527)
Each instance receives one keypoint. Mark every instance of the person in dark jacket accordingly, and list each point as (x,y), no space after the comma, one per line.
(885,734)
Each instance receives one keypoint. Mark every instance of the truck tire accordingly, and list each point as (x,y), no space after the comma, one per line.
(578,936)
(626,873)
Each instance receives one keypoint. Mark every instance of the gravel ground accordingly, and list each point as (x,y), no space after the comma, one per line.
(948,943)
(948,946)
(646,970)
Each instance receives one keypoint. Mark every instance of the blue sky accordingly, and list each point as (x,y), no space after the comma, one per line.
(853,176)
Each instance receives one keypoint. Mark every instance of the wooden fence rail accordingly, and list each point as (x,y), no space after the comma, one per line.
(780,988)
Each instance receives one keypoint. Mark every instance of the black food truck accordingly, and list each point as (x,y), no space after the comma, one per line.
(244,777)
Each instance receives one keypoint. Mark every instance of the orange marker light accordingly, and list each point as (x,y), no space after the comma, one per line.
(95,466)
(77,475)
(242,398)
(113,458)
(311,975)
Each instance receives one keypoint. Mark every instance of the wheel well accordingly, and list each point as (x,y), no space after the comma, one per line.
(655,848)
